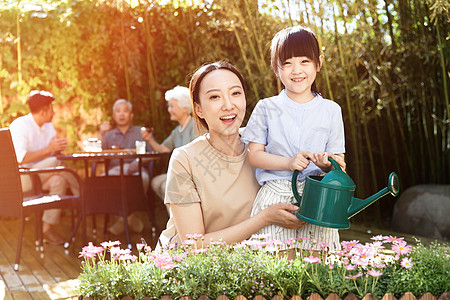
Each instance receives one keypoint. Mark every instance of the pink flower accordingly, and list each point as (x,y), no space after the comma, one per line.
(374,273)
(353,276)
(288,242)
(164,264)
(128,257)
(378,238)
(139,246)
(260,236)
(189,242)
(110,244)
(194,236)
(90,251)
(201,250)
(311,259)
(379,266)
(350,267)
(401,248)
(348,245)
(116,252)
(177,258)
(406,263)
(392,239)
(323,245)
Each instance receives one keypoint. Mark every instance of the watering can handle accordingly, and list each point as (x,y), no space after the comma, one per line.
(334,163)
(295,175)
(294,188)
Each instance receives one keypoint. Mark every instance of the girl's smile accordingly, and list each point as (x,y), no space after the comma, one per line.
(297,75)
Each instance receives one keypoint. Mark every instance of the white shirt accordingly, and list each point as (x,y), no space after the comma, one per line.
(28,136)
(285,128)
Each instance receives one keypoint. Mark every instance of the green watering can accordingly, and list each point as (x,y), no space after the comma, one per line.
(328,201)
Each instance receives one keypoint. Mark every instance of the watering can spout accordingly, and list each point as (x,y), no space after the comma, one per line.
(358,205)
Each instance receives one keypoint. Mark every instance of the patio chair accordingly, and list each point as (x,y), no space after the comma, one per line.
(14,204)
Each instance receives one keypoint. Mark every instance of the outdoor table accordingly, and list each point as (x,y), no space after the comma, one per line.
(91,184)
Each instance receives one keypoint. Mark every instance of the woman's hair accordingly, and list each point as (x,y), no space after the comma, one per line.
(181,94)
(294,42)
(196,81)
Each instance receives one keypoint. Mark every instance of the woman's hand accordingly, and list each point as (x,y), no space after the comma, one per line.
(281,215)
(147,133)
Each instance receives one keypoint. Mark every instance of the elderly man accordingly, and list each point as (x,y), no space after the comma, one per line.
(125,136)
(35,141)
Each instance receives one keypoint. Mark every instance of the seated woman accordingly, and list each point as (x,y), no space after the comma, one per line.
(180,110)
(210,184)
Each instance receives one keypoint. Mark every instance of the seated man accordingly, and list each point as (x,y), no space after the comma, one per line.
(124,136)
(35,141)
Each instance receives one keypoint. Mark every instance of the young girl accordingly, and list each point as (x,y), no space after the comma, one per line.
(296,130)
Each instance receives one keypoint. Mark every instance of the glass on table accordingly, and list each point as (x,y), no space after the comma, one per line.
(92,145)
(140,147)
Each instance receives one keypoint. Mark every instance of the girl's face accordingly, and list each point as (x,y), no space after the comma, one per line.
(222,102)
(175,111)
(297,75)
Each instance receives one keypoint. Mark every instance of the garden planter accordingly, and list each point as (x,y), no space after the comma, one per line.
(315,296)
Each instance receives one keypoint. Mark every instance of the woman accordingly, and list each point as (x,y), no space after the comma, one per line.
(210,185)
(180,110)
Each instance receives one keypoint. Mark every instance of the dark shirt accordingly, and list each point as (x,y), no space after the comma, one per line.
(124,141)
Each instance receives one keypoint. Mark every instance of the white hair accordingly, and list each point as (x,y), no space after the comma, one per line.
(182,95)
(120,101)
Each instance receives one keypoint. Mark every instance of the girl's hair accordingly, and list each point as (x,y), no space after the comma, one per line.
(181,94)
(196,81)
(294,42)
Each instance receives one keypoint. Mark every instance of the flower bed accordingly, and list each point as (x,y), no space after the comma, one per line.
(255,269)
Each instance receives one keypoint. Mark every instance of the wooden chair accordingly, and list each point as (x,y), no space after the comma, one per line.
(14,204)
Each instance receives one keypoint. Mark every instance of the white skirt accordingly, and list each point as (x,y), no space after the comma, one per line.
(280,191)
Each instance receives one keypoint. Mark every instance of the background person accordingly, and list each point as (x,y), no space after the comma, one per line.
(210,184)
(35,141)
(180,110)
(125,136)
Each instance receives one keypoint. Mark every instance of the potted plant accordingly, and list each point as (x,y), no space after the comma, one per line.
(256,267)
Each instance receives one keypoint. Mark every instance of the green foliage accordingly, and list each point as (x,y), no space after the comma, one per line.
(257,267)
(386,64)
(430,273)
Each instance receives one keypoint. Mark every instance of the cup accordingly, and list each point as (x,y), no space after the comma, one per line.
(140,147)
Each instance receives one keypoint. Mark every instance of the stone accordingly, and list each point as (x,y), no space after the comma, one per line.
(423,210)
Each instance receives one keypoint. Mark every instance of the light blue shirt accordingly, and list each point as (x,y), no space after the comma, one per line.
(285,128)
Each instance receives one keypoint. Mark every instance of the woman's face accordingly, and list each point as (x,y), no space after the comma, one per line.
(222,102)
(175,111)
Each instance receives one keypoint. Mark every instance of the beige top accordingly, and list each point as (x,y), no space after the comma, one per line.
(224,185)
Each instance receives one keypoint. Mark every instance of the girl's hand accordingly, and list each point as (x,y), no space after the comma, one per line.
(321,160)
(300,161)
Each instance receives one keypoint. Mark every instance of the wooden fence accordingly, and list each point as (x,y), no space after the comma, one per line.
(315,296)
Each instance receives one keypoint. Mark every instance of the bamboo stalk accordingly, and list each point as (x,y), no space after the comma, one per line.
(19,52)
(246,62)
(349,109)
(123,53)
(444,71)
(149,59)
(2,110)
